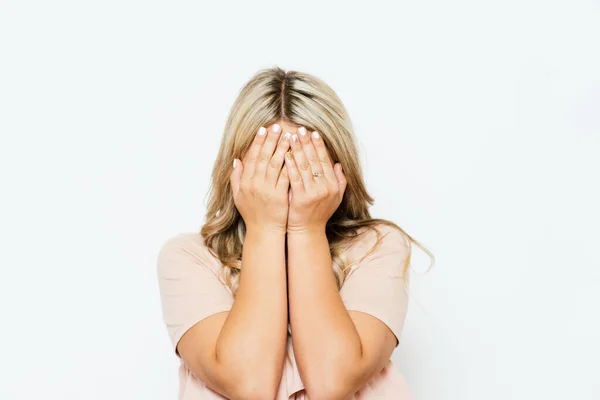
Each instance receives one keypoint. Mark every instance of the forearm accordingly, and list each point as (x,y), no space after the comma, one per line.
(253,338)
(326,343)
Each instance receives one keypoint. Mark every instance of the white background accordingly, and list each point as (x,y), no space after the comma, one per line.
(479,131)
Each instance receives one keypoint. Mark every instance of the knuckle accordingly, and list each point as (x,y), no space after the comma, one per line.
(274,163)
(244,186)
(254,148)
(262,158)
(254,187)
(313,158)
(304,165)
(325,159)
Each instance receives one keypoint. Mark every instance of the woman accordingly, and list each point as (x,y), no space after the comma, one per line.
(290,290)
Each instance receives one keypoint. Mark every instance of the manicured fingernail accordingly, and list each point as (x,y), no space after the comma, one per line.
(234,162)
(287,135)
(295,137)
(276,128)
(262,131)
(302,131)
(315,135)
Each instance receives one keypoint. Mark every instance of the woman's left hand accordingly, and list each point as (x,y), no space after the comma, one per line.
(314,199)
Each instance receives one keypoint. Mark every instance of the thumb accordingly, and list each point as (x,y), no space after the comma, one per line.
(283,182)
(236,175)
(341,178)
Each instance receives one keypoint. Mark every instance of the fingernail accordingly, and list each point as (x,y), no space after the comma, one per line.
(315,134)
(234,162)
(287,135)
(262,131)
(302,131)
(276,128)
(295,137)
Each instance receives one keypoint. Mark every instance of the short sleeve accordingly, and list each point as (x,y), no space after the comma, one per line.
(376,286)
(189,289)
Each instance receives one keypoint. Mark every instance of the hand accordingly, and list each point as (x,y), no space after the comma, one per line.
(260,184)
(313,199)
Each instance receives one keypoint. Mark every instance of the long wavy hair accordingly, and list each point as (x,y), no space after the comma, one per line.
(302,99)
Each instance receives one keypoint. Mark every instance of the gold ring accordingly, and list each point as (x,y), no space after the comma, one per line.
(317,174)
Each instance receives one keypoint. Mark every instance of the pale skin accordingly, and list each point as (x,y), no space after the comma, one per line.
(240,353)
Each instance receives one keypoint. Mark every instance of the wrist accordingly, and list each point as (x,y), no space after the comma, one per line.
(265,230)
(306,230)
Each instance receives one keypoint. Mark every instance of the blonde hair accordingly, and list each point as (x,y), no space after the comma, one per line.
(301,99)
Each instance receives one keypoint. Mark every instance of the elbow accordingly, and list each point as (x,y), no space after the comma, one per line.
(251,379)
(327,394)
(256,388)
(253,393)
(328,388)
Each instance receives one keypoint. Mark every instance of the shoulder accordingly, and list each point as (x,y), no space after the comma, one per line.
(185,242)
(381,247)
(381,238)
(183,250)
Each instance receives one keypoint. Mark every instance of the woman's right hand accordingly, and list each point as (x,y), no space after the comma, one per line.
(260,184)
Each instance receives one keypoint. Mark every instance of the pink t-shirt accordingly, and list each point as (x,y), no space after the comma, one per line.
(190,291)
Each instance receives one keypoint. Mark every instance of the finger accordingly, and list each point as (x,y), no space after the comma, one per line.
(296,182)
(313,159)
(302,163)
(236,176)
(252,153)
(266,151)
(283,181)
(311,155)
(341,178)
(323,155)
(276,163)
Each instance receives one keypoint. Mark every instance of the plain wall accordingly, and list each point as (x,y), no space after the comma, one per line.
(479,133)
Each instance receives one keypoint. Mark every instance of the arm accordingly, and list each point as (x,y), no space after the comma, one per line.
(337,351)
(240,353)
